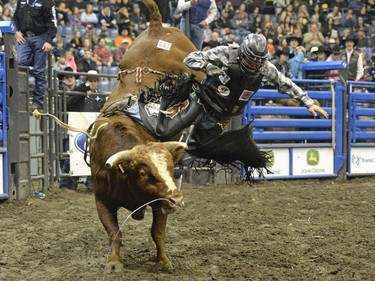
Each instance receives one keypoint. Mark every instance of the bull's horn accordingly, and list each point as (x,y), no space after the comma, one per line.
(172,145)
(125,155)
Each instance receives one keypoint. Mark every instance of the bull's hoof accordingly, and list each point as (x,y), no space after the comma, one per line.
(164,266)
(114,267)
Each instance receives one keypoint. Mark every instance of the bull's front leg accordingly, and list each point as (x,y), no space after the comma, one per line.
(108,217)
(158,233)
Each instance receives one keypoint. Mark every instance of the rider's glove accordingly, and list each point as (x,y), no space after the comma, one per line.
(213,70)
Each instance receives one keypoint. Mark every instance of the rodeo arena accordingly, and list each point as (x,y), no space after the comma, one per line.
(283,194)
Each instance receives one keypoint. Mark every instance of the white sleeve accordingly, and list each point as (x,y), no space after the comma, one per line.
(359,68)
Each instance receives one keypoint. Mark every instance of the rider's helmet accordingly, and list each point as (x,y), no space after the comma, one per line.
(253,53)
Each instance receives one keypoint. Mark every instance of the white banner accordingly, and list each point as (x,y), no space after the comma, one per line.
(362,160)
(280,164)
(77,142)
(312,161)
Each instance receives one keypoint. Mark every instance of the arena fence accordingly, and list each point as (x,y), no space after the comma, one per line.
(3,130)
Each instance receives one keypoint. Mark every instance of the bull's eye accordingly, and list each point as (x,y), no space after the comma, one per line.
(142,174)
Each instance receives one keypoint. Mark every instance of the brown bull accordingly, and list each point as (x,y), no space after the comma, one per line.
(129,166)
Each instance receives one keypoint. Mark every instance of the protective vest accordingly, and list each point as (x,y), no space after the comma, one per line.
(199,11)
(226,95)
(352,73)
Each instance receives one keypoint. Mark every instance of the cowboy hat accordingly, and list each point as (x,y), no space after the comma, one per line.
(61,76)
(294,37)
(336,50)
(350,38)
(285,51)
(91,74)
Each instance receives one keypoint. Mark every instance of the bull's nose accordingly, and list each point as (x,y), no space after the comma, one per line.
(178,200)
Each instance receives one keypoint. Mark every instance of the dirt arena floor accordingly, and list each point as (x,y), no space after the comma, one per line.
(275,230)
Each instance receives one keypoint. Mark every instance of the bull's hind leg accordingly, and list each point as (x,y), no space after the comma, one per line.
(158,233)
(108,217)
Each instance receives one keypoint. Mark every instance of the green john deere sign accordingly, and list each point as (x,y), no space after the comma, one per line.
(312,157)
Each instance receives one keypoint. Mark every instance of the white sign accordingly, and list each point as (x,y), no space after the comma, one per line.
(362,160)
(164,45)
(312,161)
(281,163)
(77,142)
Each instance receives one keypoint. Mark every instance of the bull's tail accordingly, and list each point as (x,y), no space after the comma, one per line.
(155,17)
(37,115)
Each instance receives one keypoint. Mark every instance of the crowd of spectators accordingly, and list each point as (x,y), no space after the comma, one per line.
(94,34)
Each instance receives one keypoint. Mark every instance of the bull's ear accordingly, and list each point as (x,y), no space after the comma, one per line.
(176,148)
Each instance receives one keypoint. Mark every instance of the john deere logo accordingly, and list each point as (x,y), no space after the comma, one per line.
(312,157)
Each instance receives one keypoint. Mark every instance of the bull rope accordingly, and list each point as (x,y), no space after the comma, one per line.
(139,71)
(37,115)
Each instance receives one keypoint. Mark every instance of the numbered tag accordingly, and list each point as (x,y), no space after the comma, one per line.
(164,45)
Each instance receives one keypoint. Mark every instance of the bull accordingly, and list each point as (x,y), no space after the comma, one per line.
(129,166)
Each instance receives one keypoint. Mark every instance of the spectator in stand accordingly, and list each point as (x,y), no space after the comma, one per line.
(242,10)
(329,31)
(323,53)
(361,25)
(256,26)
(57,50)
(370,4)
(356,5)
(353,58)
(115,5)
(370,71)
(365,14)
(254,13)
(60,63)
(201,13)
(229,8)
(318,13)
(124,34)
(123,19)
(302,24)
(313,54)
(364,44)
(268,27)
(69,59)
(287,26)
(74,17)
(214,41)
(347,32)
(281,61)
(80,4)
(120,51)
(88,17)
(334,74)
(76,43)
(138,19)
(239,22)
(90,35)
(314,37)
(349,19)
(336,15)
(6,16)
(331,43)
(108,40)
(106,17)
(298,58)
(87,62)
(287,11)
(222,22)
(103,54)
(303,12)
(11,5)
(62,14)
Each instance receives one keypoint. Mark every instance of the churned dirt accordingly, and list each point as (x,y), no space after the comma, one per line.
(271,230)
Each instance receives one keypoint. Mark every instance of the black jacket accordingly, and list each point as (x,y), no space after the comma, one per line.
(83,103)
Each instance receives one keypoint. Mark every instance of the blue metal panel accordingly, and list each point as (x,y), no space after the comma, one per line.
(8,27)
(325,65)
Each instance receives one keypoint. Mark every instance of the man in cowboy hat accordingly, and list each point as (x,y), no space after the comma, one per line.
(353,57)
(281,61)
(323,53)
(295,63)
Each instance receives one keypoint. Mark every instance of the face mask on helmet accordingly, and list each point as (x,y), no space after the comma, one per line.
(253,53)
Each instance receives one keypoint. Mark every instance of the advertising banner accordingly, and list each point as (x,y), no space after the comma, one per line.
(362,160)
(77,142)
(313,161)
(280,165)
